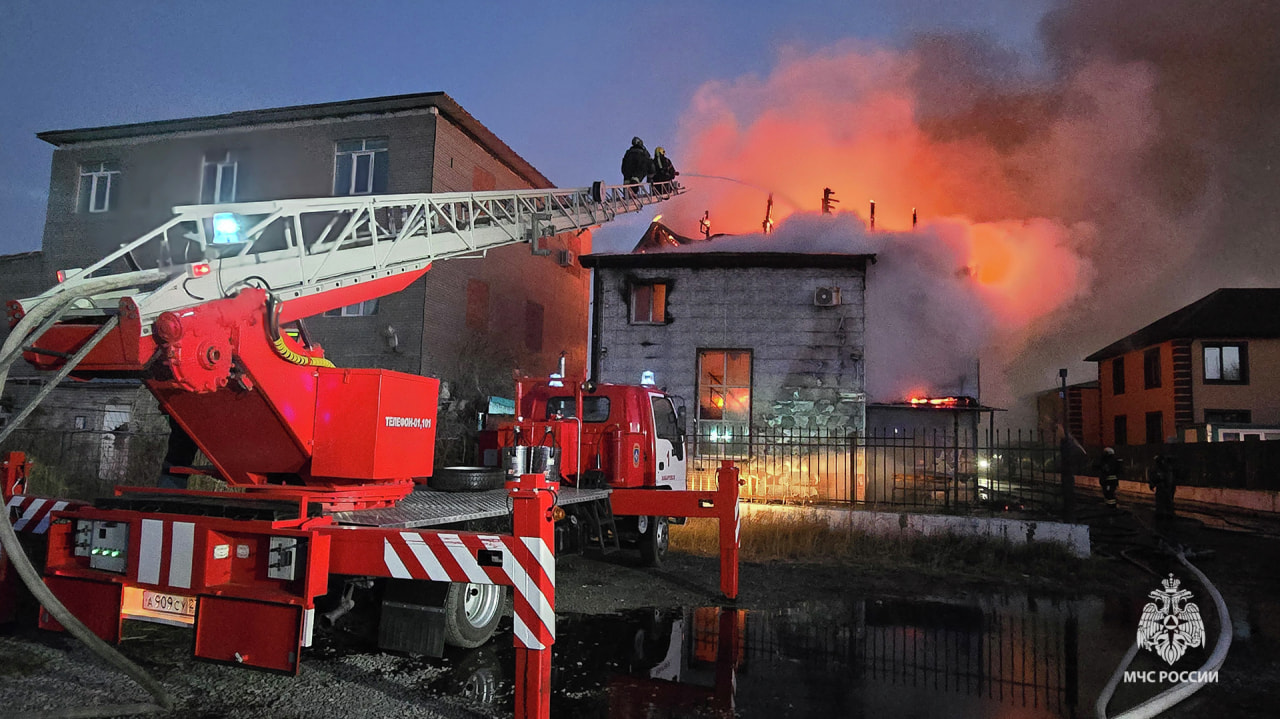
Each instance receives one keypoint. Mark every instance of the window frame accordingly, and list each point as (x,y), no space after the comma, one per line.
(94,176)
(220,170)
(1243,350)
(706,435)
(633,309)
(368,308)
(1151,368)
(339,155)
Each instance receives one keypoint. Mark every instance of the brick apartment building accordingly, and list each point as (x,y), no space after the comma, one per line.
(468,321)
(1209,371)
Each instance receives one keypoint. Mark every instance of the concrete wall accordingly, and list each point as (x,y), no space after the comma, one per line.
(807,361)
(1074,537)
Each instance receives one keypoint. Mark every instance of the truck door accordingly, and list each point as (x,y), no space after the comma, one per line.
(668,444)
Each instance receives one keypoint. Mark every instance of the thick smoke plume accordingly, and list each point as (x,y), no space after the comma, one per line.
(1063,203)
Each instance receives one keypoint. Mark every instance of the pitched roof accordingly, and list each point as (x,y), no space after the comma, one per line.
(1229,313)
(444,104)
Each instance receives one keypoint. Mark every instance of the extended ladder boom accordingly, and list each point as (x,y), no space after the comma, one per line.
(302,249)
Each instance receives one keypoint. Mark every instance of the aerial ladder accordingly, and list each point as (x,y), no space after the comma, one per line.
(204,310)
(203,328)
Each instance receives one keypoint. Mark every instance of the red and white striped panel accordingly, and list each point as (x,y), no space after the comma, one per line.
(166,550)
(528,565)
(32,513)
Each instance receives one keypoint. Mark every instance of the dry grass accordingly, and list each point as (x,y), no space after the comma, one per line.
(807,538)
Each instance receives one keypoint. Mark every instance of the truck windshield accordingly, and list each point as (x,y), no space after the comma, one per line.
(594,409)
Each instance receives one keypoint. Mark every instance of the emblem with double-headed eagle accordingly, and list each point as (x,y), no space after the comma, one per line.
(1169,626)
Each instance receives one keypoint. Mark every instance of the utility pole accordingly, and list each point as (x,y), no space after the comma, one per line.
(705,224)
(828,199)
(1067,452)
(873,214)
(767,225)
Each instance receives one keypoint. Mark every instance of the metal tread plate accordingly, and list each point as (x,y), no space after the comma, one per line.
(428,508)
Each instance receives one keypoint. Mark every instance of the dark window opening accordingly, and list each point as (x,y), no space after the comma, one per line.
(1121,430)
(1228,416)
(1117,375)
(1155,427)
(1151,368)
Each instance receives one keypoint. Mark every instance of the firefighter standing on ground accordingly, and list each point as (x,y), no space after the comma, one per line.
(663,169)
(1109,471)
(637,166)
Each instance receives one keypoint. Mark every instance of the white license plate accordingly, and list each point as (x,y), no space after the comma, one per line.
(168,603)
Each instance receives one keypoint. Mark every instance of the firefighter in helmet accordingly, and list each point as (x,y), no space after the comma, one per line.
(1109,470)
(663,169)
(637,166)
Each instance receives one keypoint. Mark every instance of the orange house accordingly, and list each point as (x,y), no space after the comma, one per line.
(1213,362)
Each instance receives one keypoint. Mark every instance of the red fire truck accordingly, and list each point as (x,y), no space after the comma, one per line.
(328,463)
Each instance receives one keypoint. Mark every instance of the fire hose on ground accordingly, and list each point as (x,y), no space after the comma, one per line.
(1175,694)
(44,315)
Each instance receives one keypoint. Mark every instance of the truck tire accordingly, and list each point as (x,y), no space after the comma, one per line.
(471,613)
(467,479)
(654,541)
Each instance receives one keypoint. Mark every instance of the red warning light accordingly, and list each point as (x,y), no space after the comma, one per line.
(62,276)
(200,269)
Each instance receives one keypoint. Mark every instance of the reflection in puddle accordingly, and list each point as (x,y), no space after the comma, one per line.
(1011,656)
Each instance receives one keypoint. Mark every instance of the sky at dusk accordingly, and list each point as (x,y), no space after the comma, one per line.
(1080,167)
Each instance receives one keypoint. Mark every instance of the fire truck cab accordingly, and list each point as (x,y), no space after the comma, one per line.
(596,436)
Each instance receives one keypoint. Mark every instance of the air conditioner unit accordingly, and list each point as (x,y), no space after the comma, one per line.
(564,258)
(826,297)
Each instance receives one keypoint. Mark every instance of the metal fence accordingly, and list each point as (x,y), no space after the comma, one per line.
(930,470)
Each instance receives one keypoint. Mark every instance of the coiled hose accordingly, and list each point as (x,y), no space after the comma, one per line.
(48,311)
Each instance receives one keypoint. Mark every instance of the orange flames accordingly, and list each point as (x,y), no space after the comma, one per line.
(848,119)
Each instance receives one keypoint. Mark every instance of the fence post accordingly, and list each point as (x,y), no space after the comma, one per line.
(730,531)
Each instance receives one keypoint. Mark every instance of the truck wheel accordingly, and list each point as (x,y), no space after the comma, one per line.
(467,479)
(471,613)
(653,542)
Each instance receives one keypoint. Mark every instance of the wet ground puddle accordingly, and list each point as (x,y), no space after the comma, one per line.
(1009,656)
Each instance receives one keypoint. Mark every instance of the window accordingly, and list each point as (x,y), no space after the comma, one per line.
(99,186)
(1228,416)
(1121,430)
(1117,375)
(218,179)
(360,309)
(533,326)
(1226,364)
(1155,427)
(594,409)
(649,303)
(1151,368)
(360,167)
(724,401)
(477,305)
